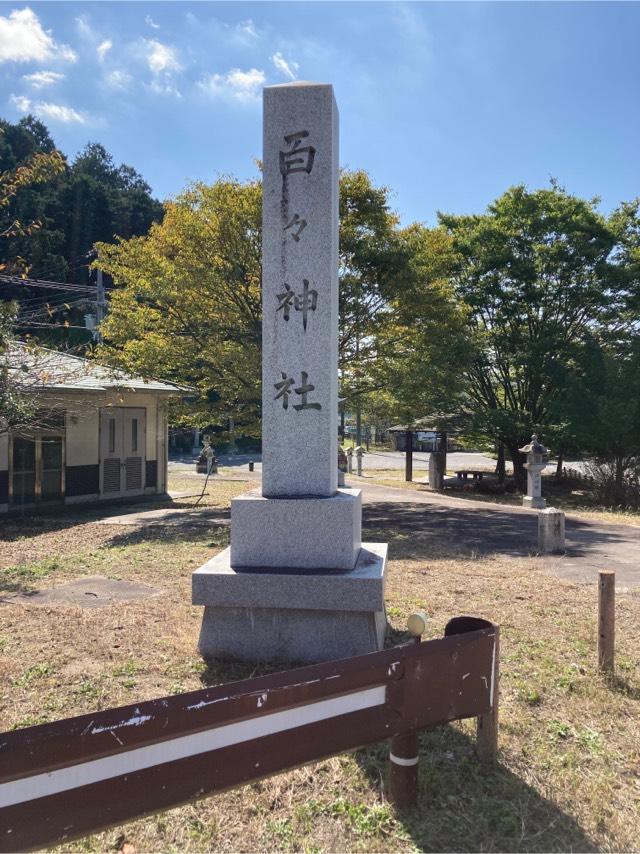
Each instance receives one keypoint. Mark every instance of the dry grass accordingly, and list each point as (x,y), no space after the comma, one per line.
(568,777)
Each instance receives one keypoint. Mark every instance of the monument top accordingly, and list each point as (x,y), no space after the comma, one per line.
(296,83)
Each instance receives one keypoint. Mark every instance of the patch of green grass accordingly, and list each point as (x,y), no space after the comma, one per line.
(31,571)
(129,668)
(375,820)
(282,830)
(87,689)
(559,729)
(30,720)
(36,671)
(590,740)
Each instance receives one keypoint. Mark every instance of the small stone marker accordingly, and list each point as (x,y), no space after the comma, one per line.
(301,526)
(551,531)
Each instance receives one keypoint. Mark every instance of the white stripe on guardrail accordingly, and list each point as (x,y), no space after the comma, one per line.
(182,747)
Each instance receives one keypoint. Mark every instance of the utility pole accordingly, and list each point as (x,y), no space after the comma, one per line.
(100,305)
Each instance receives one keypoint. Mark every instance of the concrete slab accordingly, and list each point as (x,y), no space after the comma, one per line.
(168,517)
(93,592)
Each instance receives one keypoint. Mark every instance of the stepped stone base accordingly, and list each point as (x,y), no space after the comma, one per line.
(292,615)
(306,533)
(534,503)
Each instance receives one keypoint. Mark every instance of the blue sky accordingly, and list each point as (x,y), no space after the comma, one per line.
(446,103)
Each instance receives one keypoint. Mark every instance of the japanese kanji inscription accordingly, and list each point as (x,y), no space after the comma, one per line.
(300,293)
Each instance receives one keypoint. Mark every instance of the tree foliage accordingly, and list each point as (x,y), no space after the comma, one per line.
(73,204)
(189,305)
(538,273)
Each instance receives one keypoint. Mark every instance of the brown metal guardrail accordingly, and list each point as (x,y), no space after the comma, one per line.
(66,779)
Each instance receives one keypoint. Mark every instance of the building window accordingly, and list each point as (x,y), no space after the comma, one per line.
(112,435)
(134,434)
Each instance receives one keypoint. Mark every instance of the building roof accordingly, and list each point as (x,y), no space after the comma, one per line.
(437,422)
(40,369)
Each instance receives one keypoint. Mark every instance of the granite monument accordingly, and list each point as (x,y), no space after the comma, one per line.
(297,583)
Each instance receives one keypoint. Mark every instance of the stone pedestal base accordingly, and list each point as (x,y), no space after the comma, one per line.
(291,615)
(306,533)
(534,503)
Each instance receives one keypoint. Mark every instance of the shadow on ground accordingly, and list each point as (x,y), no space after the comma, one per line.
(420,530)
(16,526)
(464,805)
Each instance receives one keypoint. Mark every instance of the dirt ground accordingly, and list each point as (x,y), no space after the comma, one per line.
(568,775)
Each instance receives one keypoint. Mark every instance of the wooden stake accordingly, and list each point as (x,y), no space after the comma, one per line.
(606,621)
(408,459)
(487,730)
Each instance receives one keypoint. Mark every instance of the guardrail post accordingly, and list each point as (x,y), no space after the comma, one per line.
(403,770)
(487,731)
(404,749)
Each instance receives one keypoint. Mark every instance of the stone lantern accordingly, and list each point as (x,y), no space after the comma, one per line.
(342,465)
(537,459)
(350,460)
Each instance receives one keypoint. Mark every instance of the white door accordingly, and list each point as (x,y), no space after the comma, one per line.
(122,451)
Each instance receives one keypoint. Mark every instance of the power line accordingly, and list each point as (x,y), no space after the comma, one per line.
(44,285)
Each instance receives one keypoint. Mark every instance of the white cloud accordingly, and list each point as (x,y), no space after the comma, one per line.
(243,86)
(54,112)
(288,68)
(22,39)
(118,80)
(248,28)
(40,79)
(163,87)
(84,28)
(151,23)
(21,103)
(161,57)
(58,112)
(103,48)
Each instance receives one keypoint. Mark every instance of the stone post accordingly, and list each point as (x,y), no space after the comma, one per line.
(349,460)
(359,456)
(297,584)
(551,531)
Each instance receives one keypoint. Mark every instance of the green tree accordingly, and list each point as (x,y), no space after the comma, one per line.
(189,304)
(18,178)
(600,407)
(536,275)
(73,206)
(422,347)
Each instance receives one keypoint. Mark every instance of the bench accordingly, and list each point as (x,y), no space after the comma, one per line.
(477,474)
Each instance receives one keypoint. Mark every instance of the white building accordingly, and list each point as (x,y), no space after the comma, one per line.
(100,434)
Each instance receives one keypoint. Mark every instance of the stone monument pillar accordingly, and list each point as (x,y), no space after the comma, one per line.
(296,583)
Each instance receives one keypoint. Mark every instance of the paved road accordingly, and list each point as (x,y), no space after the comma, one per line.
(373,460)
(460,525)
(466,526)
